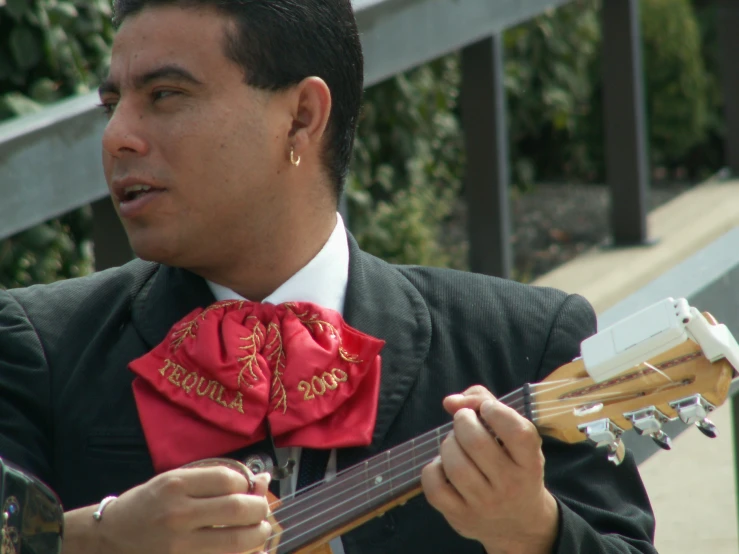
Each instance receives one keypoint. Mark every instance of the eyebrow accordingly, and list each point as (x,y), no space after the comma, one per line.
(171,71)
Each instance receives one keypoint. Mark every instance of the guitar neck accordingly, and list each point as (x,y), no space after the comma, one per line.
(674,380)
(355,495)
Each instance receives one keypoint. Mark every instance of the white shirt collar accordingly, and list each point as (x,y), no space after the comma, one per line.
(322,280)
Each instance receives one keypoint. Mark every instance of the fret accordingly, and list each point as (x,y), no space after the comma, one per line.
(388,463)
(367,481)
(527,412)
(356,491)
(413,456)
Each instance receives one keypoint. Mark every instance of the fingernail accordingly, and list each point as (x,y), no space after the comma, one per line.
(456,397)
(266,476)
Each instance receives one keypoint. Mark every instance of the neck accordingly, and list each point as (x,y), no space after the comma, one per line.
(259,262)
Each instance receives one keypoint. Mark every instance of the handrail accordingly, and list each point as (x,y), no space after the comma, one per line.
(50,160)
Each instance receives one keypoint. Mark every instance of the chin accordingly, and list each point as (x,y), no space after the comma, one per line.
(153,249)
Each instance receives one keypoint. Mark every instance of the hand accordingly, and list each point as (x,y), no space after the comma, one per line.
(490,486)
(188,511)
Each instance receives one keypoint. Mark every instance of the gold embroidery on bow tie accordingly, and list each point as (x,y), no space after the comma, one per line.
(321,385)
(186,332)
(215,390)
(278,355)
(351,358)
(311,321)
(252,346)
(273,351)
(187,329)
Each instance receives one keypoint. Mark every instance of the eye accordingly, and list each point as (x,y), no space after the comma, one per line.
(107,107)
(162,94)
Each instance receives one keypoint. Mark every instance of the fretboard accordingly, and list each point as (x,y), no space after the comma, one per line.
(362,489)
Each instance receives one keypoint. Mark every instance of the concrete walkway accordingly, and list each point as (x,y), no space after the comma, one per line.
(693,492)
(692,487)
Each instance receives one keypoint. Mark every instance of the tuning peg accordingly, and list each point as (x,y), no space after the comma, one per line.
(662,440)
(648,421)
(604,432)
(707,427)
(693,408)
(616,452)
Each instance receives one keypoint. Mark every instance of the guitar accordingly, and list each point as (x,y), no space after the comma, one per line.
(666,362)
(32,516)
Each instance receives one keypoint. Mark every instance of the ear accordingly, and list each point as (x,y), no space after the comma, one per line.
(311,110)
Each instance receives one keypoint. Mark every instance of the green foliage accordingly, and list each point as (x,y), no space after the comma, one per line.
(554,86)
(49,49)
(409,157)
(407,173)
(677,84)
(55,250)
(550,83)
(707,156)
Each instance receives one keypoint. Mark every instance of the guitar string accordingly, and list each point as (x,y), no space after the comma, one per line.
(585,399)
(411,480)
(309,494)
(358,507)
(437,435)
(436,432)
(574,381)
(431,436)
(615,395)
(568,410)
(334,506)
(315,506)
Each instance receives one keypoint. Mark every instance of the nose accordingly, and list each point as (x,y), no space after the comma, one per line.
(125,132)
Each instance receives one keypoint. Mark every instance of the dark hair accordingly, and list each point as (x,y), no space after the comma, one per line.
(281,42)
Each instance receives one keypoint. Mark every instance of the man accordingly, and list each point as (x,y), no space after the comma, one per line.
(230,133)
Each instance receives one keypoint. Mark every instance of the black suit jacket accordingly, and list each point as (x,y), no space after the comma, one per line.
(67,411)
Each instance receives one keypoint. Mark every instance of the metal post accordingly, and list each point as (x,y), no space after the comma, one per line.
(728,40)
(109,238)
(487,182)
(735,421)
(625,122)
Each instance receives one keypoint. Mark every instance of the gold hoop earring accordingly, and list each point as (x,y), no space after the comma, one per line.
(293,161)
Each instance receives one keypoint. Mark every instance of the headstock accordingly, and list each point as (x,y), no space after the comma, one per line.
(678,382)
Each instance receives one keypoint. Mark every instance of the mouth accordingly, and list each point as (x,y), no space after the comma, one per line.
(131,193)
(134,196)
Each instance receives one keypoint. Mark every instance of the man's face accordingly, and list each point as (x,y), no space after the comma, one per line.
(191,154)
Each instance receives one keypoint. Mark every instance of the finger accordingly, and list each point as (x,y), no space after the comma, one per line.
(230,539)
(261,483)
(521,439)
(210,482)
(438,490)
(480,446)
(463,473)
(472,398)
(239,510)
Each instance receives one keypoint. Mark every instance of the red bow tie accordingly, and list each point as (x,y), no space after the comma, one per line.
(227,375)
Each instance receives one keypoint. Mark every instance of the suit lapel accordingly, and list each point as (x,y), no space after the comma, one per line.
(166,298)
(381,302)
